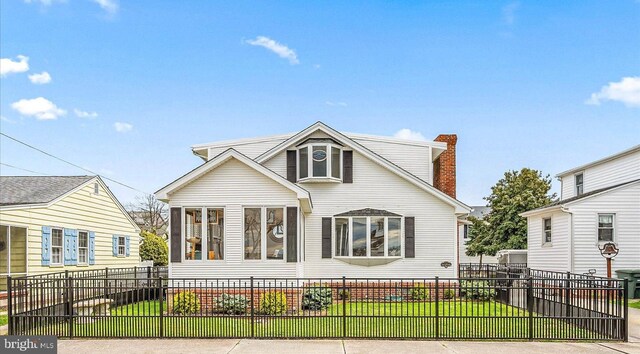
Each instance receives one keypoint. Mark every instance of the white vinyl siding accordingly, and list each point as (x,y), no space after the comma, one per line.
(234,186)
(625,204)
(540,255)
(376,187)
(623,169)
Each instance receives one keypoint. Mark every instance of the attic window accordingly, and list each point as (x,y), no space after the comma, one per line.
(320,160)
(96,188)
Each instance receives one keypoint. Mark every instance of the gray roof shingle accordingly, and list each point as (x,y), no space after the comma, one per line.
(23,190)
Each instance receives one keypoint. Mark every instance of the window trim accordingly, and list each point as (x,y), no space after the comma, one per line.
(124,246)
(263,233)
(310,177)
(87,248)
(204,241)
(26,248)
(544,231)
(575,183)
(61,247)
(368,234)
(613,228)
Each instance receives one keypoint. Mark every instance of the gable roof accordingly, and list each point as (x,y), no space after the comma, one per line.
(29,190)
(600,161)
(302,194)
(460,207)
(561,203)
(18,192)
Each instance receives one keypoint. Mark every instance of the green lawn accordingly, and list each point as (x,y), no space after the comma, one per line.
(459,319)
(635,304)
(4,319)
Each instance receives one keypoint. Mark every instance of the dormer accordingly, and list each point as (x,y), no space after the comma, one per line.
(319,160)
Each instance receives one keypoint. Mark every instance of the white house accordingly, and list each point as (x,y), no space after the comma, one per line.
(599,202)
(316,203)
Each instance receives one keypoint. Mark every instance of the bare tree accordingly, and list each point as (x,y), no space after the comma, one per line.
(150,214)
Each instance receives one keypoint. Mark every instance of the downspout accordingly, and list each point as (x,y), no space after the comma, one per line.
(571,248)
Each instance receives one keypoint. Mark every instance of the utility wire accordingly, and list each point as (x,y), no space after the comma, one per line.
(70,163)
(23,169)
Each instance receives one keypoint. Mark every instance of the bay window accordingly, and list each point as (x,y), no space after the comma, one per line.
(317,160)
(203,233)
(367,236)
(264,231)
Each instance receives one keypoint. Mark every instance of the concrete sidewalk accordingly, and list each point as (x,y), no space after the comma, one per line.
(234,346)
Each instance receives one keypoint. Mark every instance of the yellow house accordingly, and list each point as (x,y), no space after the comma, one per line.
(57,223)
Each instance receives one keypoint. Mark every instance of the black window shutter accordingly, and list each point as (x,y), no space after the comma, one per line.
(347,167)
(291,166)
(176,235)
(292,234)
(326,237)
(409,237)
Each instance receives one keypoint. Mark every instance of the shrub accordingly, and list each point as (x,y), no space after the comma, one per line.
(316,298)
(344,294)
(154,248)
(273,303)
(232,304)
(449,294)
(186,303)
(477,290)
(419,292)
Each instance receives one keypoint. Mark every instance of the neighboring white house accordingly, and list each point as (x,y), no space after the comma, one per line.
(317,203)
(600,202)
(464,230)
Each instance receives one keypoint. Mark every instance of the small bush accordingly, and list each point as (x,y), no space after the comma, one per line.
(186,303)
(316,298)
(154,248)
(449,294)
(273,303)
(344,294)
(232,304)
(477,290)
(419,292)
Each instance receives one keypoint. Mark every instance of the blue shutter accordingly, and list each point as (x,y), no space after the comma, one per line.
(127,245)
(46,245)
(115,245)
(68,240)
(74,246)
(92,247)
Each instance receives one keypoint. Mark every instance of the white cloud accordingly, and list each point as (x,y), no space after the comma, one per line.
(282,50)
(40,79)
(8,66)
(626,91)
(110,6)
(408,134)
(40,107)
(122,127)
(84,114)
(43,2)
(509,12)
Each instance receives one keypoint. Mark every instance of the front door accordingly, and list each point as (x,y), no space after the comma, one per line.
(13,253)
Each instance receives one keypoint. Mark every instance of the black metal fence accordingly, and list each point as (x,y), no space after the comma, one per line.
(146,304)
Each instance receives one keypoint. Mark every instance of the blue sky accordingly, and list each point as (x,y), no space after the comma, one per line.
(132,84)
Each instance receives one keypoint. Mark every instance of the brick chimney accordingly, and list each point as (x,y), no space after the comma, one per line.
(444,167)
